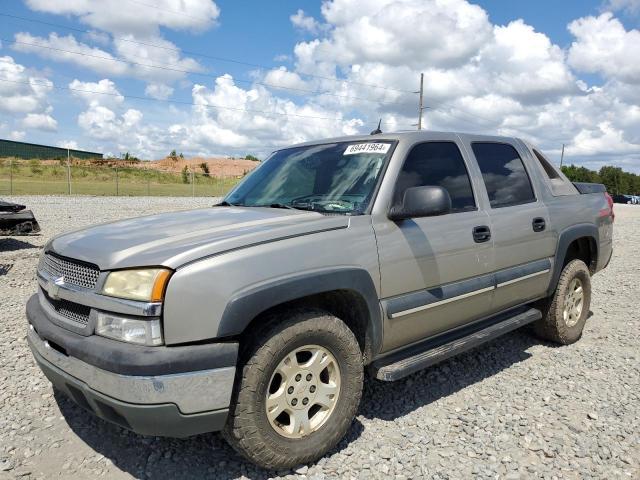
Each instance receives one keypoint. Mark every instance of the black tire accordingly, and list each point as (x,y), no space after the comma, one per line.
(248,429)
(553,325)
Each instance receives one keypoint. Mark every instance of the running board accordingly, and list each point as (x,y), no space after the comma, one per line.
(443,346)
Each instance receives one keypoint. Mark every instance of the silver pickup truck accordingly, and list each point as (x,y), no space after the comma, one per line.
(258,316)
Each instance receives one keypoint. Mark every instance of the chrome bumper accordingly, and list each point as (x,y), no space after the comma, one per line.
(191,392)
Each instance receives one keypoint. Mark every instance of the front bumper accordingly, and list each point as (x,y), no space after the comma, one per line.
(175,403)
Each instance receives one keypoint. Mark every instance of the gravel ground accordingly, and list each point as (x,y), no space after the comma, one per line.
(515,408)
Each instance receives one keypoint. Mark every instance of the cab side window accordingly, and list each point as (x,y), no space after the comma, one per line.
(503,173)
(437,164)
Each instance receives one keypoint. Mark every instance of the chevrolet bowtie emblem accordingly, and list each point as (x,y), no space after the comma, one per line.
(54,287)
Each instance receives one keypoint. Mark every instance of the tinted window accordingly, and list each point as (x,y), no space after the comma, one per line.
(504,175)
(437,164)
(549,170)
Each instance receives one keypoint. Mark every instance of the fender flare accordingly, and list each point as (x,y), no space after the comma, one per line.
(564,240)
(243,307)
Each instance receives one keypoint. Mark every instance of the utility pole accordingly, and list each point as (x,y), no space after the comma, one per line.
(562,156)
(68,172)
(420,106)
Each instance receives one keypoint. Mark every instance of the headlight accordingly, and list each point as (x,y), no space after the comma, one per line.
(147,285)
(132,330)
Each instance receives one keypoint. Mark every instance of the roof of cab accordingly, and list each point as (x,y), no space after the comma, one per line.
(407,135)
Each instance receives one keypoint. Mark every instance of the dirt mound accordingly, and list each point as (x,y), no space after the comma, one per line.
(218,167)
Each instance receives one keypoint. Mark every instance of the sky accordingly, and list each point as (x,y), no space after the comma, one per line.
(224,77)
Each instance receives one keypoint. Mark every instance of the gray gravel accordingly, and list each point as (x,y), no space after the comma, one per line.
(515,408)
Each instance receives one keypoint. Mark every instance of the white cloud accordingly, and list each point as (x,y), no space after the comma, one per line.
(604,46)
(284,78)
(72,144)
(158,90)
(135,17)
(218,128)
(402,32)
(629,6)
(304,22)
(508,79)
(40,121)
(21,91)
(59,48)
(103,92)
(135,38)
(17,135)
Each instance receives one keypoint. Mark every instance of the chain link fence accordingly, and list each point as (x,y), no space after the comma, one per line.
(35,177)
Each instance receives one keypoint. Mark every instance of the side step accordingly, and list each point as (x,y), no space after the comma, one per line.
(448,344)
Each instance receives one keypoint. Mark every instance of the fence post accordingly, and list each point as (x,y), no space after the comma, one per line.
(117,184)
(68,172)
(193,183)
(11,176)
(148,185)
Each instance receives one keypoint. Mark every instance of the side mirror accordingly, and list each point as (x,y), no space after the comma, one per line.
(425,201)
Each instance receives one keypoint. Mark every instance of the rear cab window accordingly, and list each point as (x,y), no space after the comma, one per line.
(504,174)
(437,164)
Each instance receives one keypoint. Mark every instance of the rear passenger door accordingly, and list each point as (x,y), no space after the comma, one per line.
(519,221)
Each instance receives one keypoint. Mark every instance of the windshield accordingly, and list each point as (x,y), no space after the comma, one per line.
(331,178)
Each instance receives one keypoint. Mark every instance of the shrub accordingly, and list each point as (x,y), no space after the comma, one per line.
(35,166)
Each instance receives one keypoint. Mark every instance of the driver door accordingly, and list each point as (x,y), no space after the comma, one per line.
(435,275)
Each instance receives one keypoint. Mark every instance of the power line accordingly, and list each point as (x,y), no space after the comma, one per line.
(164,9)
(179,102)
(172,68)
(204,55)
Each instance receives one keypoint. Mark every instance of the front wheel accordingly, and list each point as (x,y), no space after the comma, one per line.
(298,390)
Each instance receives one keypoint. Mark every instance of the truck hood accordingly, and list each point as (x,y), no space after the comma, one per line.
(174,239)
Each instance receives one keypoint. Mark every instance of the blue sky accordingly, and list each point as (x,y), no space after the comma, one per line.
(551,72)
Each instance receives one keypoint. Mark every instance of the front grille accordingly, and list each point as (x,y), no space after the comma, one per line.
(73,311)
(76,273)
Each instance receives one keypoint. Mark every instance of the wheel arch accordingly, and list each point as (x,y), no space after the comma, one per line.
(347,293)
(576,242)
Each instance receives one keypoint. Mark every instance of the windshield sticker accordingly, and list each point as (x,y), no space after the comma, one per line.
(367,148)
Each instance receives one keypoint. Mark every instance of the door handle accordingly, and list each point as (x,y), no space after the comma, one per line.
(538,224)
(481,234)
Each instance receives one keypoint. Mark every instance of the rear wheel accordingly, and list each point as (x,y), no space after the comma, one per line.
(298,390)
(565,313)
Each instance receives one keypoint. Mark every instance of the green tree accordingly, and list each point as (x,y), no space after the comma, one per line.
(173,155)
(613,179)
(580,174)
(185,174)
(205,168)
(252,158)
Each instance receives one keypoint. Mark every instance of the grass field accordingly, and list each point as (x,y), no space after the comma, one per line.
(34,178)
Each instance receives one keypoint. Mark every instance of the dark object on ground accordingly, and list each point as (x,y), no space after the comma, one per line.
(16,220)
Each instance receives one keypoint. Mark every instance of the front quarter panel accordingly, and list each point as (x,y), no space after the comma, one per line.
(199,293)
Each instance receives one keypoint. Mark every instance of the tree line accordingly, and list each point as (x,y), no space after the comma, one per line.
(615,179)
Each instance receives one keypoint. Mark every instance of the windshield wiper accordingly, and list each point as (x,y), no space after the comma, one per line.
(224,203)
(286,206)
(279,205)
